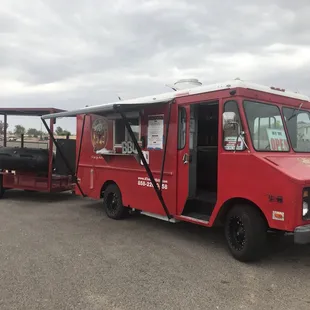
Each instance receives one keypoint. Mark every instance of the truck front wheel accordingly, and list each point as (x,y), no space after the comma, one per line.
(246,233)
(113,203)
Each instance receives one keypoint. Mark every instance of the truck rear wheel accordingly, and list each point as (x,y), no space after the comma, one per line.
(113,203)
(246,233)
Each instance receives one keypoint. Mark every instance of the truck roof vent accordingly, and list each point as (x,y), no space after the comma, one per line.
(185,84)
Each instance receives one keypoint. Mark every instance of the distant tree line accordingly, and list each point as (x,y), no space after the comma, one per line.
(31,132)
(61,132)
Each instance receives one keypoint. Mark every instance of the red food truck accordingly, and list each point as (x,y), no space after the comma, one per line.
(235,154)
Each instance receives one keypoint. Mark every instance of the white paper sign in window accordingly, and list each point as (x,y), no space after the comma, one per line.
(231,144)
(155,132)
(277,140)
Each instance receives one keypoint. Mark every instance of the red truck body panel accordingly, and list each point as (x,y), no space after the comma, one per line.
(257,177)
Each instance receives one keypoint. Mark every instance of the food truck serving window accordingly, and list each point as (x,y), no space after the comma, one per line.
(266,127)
(120,132)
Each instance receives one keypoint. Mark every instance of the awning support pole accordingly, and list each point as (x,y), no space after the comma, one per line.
(5,130)
(165,148)
(80,146)
(62,155)
(145,164)
(50,159)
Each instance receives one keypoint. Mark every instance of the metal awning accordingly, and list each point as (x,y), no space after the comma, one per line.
(104,109)
(29,111)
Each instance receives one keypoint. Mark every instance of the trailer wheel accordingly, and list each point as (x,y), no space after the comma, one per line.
(246,233)
(113,204)
(2,189)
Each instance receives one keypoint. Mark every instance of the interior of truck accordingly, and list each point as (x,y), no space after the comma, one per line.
(204,156)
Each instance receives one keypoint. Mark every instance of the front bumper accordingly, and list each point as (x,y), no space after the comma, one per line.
(302,234)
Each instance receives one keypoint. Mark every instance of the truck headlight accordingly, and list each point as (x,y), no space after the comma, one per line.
(305,205)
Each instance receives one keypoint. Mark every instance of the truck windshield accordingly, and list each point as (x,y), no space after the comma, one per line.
(298,126)
(266,127)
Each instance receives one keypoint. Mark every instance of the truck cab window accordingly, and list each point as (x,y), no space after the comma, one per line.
(298,126)
(266,127)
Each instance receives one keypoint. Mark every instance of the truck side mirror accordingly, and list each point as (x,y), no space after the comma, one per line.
(229,120)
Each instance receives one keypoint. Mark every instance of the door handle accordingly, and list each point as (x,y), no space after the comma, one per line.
(185,158)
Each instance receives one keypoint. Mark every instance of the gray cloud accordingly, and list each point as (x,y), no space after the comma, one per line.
(67,55)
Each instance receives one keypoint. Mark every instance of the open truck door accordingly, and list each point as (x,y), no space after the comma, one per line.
(197,161)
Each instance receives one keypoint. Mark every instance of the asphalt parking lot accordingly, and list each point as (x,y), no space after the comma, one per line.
(62,252)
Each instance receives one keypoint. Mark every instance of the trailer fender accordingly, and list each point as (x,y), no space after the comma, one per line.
(227,205)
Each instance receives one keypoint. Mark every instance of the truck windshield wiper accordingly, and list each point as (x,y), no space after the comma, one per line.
(295,111)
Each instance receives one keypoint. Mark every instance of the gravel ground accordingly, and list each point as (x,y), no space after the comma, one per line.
(62,252)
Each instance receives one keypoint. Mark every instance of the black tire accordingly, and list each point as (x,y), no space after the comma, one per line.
(2,189)
(113,203)
(246,233)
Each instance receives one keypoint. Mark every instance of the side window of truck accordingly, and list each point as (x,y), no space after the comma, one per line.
(120,132)
(230,136)
(181,128)
(261,125)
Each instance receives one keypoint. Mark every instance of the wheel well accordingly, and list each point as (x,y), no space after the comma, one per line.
(220,219)
(104,187)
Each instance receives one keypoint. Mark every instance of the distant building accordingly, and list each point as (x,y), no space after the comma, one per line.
(303,131)
(73,137)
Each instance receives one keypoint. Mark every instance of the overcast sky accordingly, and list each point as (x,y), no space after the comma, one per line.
(69,54)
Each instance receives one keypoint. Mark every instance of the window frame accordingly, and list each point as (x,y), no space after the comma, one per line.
(185,132)
(115,145)
(283,122)
(289,136)
(241,122)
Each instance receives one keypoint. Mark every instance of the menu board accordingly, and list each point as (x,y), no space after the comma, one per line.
(155,132)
